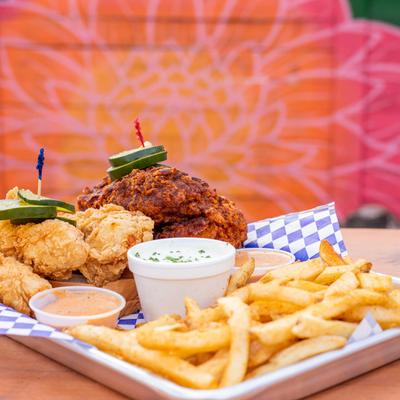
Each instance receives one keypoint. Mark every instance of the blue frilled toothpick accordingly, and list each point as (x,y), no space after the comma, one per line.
(39,167)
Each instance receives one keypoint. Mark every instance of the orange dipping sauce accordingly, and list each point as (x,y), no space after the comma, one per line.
(262,258)
(76,304)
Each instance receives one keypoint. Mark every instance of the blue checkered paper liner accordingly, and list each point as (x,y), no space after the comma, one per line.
(366,328)
(130,321)
(13,322)
(298,233)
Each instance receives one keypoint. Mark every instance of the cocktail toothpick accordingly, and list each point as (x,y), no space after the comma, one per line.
(39,167)
(139,131)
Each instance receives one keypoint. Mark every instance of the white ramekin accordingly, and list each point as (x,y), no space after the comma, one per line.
(42,299)
(162,286)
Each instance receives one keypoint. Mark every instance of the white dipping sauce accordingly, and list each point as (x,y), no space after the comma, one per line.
(168,270)
(177,256)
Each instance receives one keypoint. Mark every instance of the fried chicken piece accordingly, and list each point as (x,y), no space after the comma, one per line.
(218,223)
(110,231)
(12,194)
(18,284)
(8,230)
(53,248)
(8,236)
(179,204)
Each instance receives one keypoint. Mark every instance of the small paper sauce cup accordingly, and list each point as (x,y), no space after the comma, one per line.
(162,285)
(265,260)
(42,299)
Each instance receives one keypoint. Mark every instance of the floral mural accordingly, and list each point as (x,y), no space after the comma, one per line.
(281,104)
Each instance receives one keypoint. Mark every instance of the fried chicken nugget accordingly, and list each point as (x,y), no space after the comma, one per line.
(18,284)
(8,232)
(53,248)
(110,231)
(8,236)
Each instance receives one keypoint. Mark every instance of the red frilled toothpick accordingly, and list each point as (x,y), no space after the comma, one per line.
(139,132)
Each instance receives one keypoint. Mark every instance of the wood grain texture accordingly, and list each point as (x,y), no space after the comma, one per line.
(25,373)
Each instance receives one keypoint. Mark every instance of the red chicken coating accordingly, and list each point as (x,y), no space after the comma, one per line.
(179,204)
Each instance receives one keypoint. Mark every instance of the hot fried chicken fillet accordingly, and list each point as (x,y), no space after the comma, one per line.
(110,231)
(179,204)
(53,248)
(18,284)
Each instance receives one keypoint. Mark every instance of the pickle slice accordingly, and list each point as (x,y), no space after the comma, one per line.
(68,220)
(14,209)
(31,198)
(144,162)
(126,157)
(23,221)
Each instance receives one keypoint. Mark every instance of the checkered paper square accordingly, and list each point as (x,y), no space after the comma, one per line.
(130,321)
(366,328)
(13,322)
(298,233)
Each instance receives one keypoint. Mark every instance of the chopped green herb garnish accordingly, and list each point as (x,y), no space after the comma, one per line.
(201,251)
(172,259)
(137,254)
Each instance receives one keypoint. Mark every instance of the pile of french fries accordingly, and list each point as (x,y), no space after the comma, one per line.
(290,314)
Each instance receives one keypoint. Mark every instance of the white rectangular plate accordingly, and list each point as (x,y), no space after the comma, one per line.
(290,383)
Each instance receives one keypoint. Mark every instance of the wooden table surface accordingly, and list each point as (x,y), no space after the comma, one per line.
(26,374)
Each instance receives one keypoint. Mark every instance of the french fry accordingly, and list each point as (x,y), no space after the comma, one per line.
(241,276)
(329,255)
(191,342)
(259,354)
(271,291)
(347,282)
(309,326)
(348,259)
(335,306)
(307,270)
(331,274)
(386,317)
(300,351)
(202,318)
(276,332)
(306,285)
(367,297)
(379,283)
(126,346)
(216,364)
(239,323)
(242,293)
(261,310)
(164,320)
(331,307)
(394,296)
(191,306)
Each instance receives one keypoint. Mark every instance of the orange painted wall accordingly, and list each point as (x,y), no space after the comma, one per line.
(280,105)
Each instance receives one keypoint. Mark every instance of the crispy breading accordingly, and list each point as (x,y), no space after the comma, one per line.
(18,284)
(110,231)
(179,204)
(53,248)
(12,194)
(8,235)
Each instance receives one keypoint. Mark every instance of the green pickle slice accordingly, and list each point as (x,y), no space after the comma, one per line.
(126,157)
(68,220)
(144,162)
(15,210)
(31,198)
